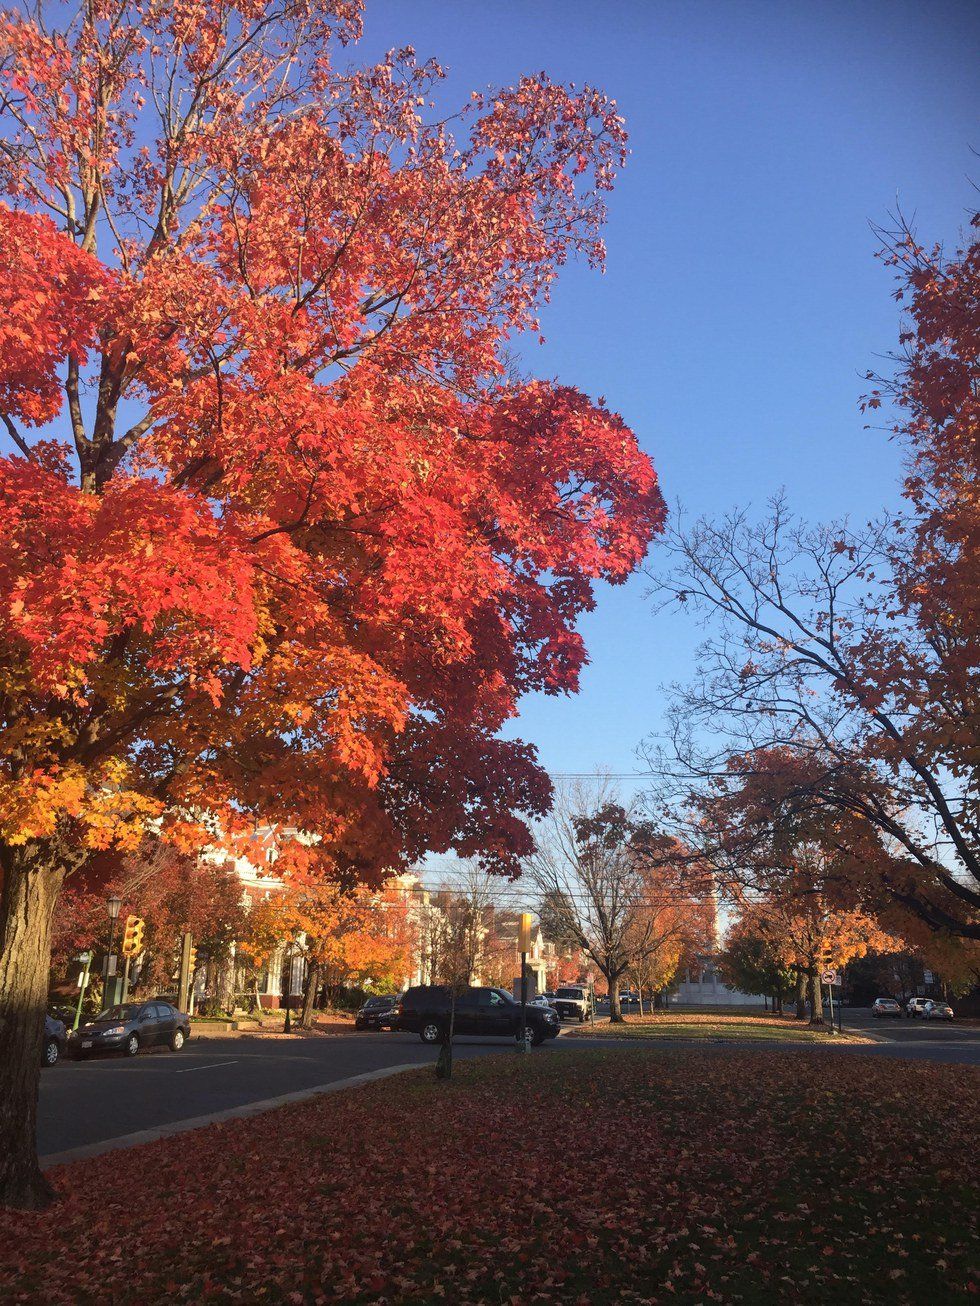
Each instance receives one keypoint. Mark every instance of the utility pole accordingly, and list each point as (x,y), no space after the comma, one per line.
(287,985)
(188,956)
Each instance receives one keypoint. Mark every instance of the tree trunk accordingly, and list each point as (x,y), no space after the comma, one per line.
(777,1002)
(226,984)
(800,995)
(32,880)
(639,989)
(309,994)
(816,999)
(615,1009)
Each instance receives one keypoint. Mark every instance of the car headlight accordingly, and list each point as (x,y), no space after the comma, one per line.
(116,1029)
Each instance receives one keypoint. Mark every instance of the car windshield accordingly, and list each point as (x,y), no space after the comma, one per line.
(378,1002)
(126,1011)
(569,993)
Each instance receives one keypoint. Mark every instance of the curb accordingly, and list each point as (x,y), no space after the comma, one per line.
(216,1117)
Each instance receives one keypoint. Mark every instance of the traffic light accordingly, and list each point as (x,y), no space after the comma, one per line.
(133,936)
(192,960)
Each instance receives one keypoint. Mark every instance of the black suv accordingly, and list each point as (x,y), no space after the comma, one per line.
(424,1010)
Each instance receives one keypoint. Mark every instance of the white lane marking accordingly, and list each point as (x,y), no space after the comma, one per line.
(210,1066)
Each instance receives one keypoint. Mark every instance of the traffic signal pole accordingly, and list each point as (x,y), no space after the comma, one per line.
(524,943)
(184,983)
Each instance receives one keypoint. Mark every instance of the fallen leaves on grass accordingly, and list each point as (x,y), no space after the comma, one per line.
(588,1175)
(704,1025)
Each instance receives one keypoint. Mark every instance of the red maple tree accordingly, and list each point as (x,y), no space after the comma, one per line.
(281,538)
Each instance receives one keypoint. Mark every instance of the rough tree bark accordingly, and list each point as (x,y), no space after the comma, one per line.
(615,1007)
(816,999)
(32,879)
(800,995)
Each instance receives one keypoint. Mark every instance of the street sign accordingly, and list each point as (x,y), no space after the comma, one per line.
(830,977)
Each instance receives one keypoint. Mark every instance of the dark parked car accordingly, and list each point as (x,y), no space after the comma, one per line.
(389,1018)
(372,1013)
(424,1010)
(131,1026)
(55,1038)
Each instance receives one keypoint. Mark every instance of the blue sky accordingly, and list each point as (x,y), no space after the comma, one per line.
(742,302)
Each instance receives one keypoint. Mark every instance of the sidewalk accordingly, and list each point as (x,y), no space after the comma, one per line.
(269,1029)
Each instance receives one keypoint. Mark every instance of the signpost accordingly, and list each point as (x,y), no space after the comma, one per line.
(830,978)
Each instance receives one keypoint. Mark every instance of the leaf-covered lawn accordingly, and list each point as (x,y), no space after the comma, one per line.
(675,1024)
(592,1175)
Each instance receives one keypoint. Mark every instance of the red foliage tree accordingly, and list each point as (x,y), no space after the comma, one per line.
(297,542)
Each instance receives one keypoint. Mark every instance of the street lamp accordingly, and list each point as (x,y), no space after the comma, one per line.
(113,907)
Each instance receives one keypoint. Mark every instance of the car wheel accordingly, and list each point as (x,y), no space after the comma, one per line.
(51,1052)
(537,1037)
(132,1045)
(176,1040)
(431,1033)
(581,1019)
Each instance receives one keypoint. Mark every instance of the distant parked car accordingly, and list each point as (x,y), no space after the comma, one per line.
(915,1006)
(572,1002)
(937,1011)
(374,1009)
(425,1010)
(131,1026)
(389,1018)
(54,1040)
(886,1007)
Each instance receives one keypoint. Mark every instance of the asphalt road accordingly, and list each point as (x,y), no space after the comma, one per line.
(85,1102)
(918,1039)
(92,1102)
